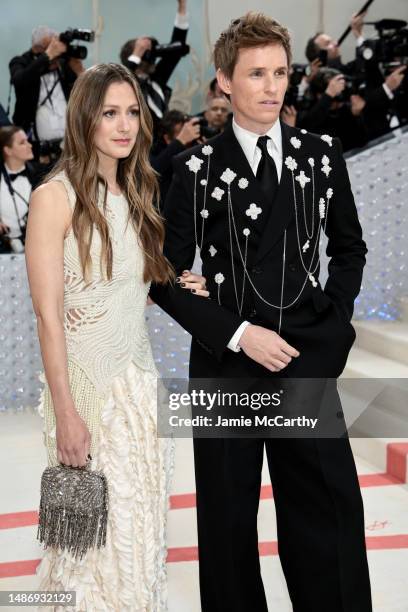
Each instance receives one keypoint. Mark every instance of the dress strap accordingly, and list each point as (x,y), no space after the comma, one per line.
(61,177)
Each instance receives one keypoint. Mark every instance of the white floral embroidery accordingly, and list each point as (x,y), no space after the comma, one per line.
(219,278)
(312,280)
(302,179)
(306,246)
(212,250)
(228,176)
(194,164)
(253,211)
(311,162)
(295,142)
(291,163)
(303,131)
(243,183)
(204,213)
(326,170)
(328,139)
(329,193)
(325,160)
(322,207)
(203,182)
(207,150)
(246,231)
(217,193)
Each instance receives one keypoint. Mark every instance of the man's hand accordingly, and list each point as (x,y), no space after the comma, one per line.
(190,131)
(394,79)
(357,105)
(313,69)
(288,115)
(357,24)
(3,228)
(336,86)
(182,7)
(194,282)
(55,48)
(76,65)
(142,45)
(267,348)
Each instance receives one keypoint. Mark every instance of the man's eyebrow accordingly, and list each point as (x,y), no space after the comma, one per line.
(263,68)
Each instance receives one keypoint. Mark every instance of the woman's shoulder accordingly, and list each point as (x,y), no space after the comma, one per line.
(59,185)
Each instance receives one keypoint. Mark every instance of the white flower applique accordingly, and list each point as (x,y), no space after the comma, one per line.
(295,142)
(246,232)
(303,131)
(313,280)
(217,193)
(219,279)
(305,246)
(291,163)
(204,213)
(243,183)
(328,139)
(207,150)
(302,179)
(322,208)
(329,193)
(326,169)
(311,162)
(228,176)
(253,211)
(203,182)
(194,164)
(212,250)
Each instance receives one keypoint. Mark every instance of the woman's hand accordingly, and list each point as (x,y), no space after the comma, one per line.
(73,439)
(194,282)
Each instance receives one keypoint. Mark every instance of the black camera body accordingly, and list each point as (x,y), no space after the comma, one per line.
(175,48)
(76,51)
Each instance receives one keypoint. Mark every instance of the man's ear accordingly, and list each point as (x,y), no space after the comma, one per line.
(223,82)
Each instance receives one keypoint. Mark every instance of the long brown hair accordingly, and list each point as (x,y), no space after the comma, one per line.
(135,176)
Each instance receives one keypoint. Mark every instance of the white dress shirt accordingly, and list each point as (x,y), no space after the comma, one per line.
(248,142)
(8,215)
(50,117)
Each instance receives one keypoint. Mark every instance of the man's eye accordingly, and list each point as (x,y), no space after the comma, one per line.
(256,73)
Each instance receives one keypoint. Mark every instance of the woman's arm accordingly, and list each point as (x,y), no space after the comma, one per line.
(48,222)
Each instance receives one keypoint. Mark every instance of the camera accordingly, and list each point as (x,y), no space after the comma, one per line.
(175,48)
(296,76)
(76,51)
(391,43)
(50,148)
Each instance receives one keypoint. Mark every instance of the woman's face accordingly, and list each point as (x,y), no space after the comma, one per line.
(116,132)
(20,149)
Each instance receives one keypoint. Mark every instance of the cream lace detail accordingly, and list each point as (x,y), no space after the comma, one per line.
(104,320)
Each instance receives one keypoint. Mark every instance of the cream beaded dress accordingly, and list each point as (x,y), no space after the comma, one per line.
(113,382)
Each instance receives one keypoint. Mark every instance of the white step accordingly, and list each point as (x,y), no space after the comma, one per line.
(386,338)
(363,363)
(403,307)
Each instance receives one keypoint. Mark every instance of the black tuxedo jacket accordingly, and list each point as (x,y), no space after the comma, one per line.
(318,324)
(26,71)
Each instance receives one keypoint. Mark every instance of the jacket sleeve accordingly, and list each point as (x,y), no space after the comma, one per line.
(346,247)
(23,73)
(165,67)
(212,325)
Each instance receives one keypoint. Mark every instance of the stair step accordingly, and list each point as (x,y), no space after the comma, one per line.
(388,339)
(403,303)
(363,363)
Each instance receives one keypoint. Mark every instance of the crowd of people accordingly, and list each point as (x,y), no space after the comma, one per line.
(356,101)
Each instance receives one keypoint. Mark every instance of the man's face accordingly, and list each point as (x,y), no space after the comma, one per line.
(257,87)
(327,43)
(217,112)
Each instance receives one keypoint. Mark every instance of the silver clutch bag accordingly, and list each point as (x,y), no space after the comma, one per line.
(73,509)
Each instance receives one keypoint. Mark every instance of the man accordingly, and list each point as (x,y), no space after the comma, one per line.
(279,323)
(43,80)
(216,115)
(153,77)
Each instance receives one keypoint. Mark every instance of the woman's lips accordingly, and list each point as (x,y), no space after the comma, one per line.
(122,141)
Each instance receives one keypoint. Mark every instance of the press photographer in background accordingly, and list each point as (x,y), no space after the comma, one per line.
(18,176)
(43,78)
(140,55)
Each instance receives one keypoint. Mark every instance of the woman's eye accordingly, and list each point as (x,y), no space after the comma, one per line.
(109,113)
(135,112)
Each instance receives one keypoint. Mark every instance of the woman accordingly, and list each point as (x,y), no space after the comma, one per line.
(94,243)
(18,177)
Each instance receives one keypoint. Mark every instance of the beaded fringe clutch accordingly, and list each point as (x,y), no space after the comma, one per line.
(73,509)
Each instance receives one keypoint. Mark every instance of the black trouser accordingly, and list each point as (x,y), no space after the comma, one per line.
(319,515)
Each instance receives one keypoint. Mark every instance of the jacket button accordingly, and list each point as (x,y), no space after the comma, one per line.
(256,270)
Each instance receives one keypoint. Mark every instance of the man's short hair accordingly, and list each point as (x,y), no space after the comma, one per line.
(170,120)
(251,30)
(126,51)
(41,32)
(312,49)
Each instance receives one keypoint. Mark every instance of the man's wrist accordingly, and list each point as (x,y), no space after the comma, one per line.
(233,344)
(181,20)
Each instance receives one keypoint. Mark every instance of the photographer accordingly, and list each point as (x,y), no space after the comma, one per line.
(18,176)
(139,55)
(216,116)
(43,78)
(176,133)
(335,111)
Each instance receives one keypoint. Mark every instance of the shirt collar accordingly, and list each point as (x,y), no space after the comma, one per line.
(248,139)
(23,167)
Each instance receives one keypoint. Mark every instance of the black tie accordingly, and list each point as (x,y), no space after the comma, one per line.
(266,173)
(13,177)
